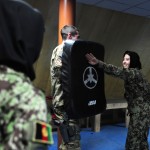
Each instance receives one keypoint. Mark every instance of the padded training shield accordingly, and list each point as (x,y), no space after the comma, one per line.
(82,83)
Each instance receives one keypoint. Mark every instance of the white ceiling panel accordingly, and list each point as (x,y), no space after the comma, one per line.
(130,2)
(144,5)
(89,1)
(136,7)
(112,5)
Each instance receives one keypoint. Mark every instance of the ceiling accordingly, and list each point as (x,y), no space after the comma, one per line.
(135,7)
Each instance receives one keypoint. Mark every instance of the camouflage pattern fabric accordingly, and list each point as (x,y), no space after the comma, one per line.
(138,132)
(58,101)
(55,71)
(21,104)
(137,94)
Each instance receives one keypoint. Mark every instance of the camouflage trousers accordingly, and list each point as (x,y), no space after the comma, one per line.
(75,145)
(137,137)
(69,130)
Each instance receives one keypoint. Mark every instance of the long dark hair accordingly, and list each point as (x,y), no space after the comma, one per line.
(134,59)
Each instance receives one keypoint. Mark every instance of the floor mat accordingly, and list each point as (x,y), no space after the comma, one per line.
(111,137)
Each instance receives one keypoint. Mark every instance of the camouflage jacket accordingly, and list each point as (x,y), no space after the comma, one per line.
(21,105)
(55,71)
(137,88)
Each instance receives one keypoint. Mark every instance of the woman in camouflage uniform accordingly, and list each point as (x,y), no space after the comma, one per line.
(23,110)
(137,94)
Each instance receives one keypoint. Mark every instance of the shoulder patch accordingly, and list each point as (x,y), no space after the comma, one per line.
(42,133)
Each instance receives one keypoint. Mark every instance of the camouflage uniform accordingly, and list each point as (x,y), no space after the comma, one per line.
(23,111)
(55,76)
(58,101)
(21,105)
(137,93)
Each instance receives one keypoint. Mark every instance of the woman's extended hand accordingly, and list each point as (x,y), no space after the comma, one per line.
(91,59)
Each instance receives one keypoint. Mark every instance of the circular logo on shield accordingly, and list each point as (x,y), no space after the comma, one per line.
(90,77)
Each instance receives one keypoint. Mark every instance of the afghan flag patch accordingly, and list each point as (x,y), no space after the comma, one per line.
(42,133)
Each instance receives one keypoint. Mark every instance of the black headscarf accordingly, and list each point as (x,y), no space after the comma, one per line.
(21,35)
(134,59)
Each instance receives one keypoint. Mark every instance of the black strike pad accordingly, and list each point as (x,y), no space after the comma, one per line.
(82,83)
